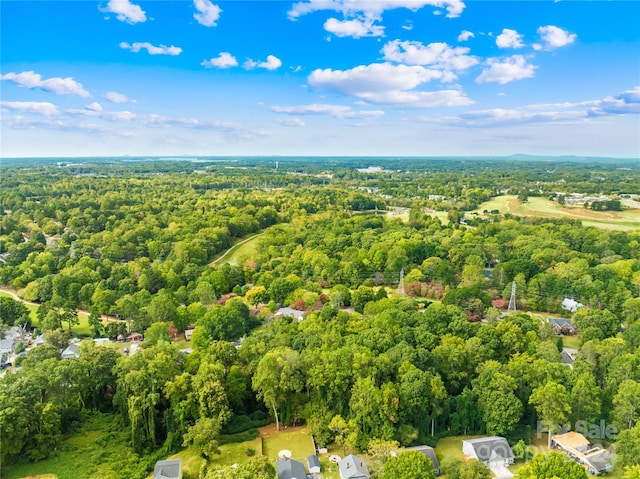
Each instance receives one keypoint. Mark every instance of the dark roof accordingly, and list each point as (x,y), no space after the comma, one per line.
(169,469)
(290,469)
(427,451)
(600,462)
(561,322)
(490,448)
(313,461)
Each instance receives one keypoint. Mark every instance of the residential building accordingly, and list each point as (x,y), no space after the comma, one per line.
(353,467)
(290,469)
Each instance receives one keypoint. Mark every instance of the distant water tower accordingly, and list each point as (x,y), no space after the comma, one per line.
(276,165)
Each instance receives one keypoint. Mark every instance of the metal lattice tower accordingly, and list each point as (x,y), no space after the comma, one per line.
(512,300)
(401,283)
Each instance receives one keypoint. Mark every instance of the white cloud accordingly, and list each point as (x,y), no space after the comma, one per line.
(373,77)
(272,63)
(356,28)
(351,8)
(126,11)
(554,37)
(223,60)
(30,79)
(39,107)
(465,35)
(439,55)
(510,69)
(408,26)
(151,49)
(291,122)
(509,39)
(95,106)
(115,97)
(389,85)
(418,99)
(336,111)
(207,13)
(625,103)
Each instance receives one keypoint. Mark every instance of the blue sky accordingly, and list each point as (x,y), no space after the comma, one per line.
(320,77)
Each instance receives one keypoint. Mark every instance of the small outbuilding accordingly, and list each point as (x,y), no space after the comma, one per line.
(169,469)
(314,464)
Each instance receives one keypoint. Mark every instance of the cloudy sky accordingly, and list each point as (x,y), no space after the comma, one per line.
(320,77)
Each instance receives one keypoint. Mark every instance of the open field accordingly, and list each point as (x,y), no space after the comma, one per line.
(245,247)
(625,220)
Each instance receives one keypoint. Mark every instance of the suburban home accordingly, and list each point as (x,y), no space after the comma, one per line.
(596,459)
(569,356)
(563,326)
(135,337)
(290,469)
(290,312)
(571,305)
(353,467)
(72,352)
(493,451)
(314,464)
(169,469)
(430,453)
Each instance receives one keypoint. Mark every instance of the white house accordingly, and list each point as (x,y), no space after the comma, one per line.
(353,467)
(494,451)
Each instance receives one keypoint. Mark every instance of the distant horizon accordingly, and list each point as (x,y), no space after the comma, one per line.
(347,77)
(180,157)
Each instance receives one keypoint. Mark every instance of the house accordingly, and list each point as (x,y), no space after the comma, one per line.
(72,352)
(430,453)
(188,333)
(562,326)
(353,467)
(169,469)
(571,305)
(314,464)
(290,312)
(596,459)
(135,337)
(290,469)
(493,451)
(569,356)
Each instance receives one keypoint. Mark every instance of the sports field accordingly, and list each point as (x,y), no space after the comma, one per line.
(613,220)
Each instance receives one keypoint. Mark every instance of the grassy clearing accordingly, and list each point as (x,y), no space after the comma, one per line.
(295,439)
(536,206)
(245,247)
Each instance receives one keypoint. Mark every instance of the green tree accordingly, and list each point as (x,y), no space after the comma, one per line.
(631,472)
(409,465)
(277,376)
(626,404)
(552,466)
(155,333)
(203,435)
(628,447)
(552,403)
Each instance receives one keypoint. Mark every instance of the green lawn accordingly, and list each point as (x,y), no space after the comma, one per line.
(245,247)
(625,220)
(295,439)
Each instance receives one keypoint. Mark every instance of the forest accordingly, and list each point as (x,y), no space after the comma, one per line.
(406,338)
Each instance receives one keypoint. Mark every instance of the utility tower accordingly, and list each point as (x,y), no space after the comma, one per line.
(512,301)
(401,283)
